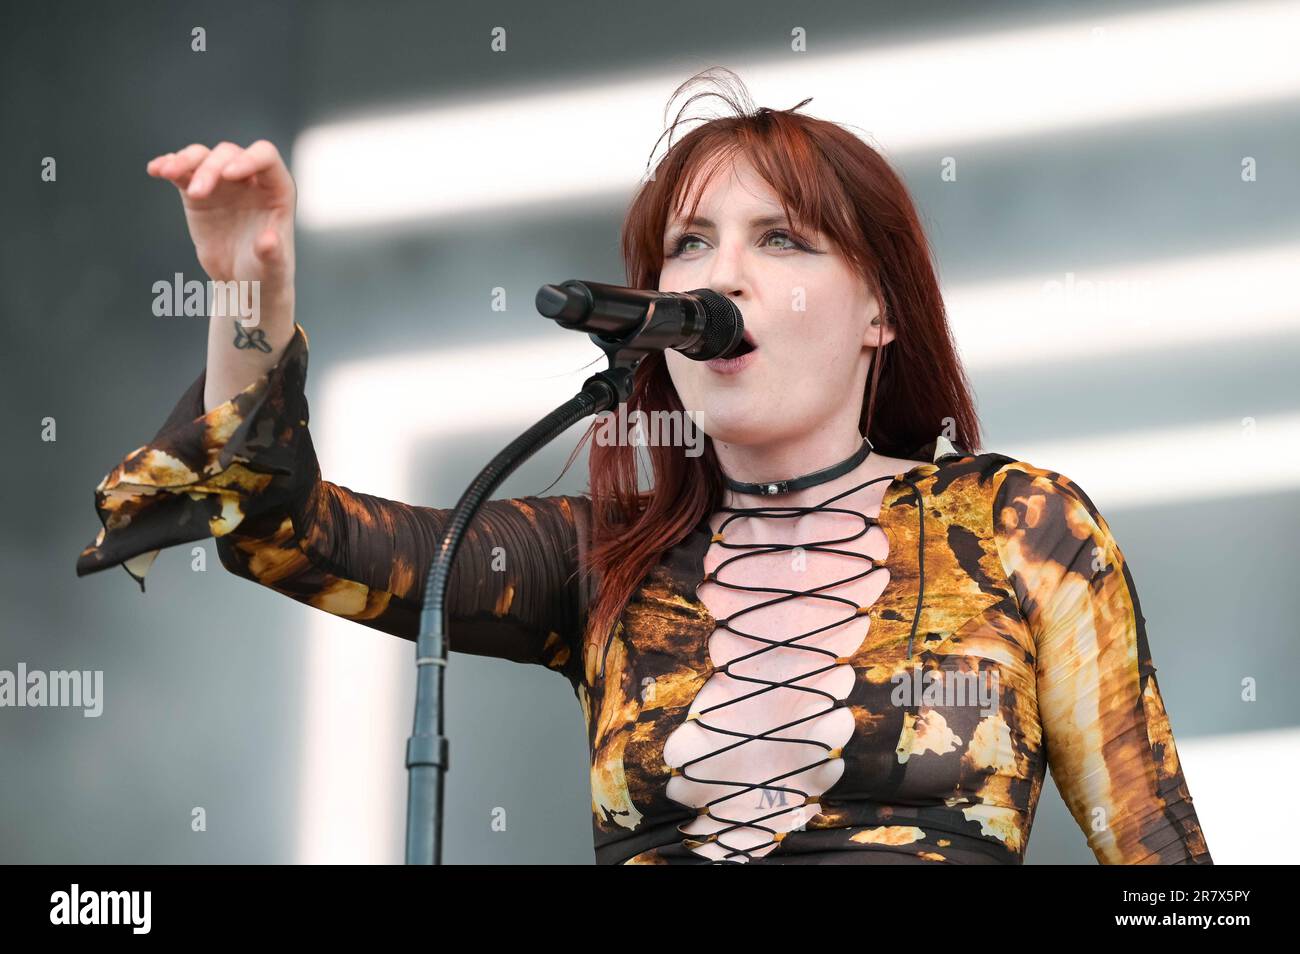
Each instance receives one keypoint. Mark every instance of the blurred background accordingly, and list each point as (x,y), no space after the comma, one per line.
(1112,191)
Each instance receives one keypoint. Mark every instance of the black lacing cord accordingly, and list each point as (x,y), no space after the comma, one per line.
(823,546)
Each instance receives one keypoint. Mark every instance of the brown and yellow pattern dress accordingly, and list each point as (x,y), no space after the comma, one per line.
(1005,576)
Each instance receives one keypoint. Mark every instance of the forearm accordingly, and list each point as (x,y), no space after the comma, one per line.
(241,350)
(513,592)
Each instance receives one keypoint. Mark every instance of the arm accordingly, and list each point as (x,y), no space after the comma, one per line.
(246,473)
(1109,742)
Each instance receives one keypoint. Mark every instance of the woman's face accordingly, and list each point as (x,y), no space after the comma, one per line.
(806,309)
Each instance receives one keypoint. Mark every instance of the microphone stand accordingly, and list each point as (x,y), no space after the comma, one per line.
(427,748)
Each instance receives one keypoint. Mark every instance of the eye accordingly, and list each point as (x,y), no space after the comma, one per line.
(795,244)
(679,247)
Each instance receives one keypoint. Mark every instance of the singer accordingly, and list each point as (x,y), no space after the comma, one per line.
(766,643)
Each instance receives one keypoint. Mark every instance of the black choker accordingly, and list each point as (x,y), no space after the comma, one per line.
(773,487)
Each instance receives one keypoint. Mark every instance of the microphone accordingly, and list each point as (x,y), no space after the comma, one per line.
(701,324)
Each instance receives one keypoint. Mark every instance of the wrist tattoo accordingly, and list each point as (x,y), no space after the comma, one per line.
(251,339)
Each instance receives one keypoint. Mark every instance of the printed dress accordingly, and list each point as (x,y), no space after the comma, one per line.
(991,630)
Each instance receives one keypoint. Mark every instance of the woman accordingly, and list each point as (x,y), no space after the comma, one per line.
(838,636)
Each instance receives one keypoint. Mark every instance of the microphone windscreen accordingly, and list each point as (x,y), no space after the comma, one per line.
(724,327)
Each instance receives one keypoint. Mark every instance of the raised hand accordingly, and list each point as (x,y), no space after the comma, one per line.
(239,206)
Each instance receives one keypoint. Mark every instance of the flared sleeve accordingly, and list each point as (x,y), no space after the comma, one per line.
(246,474)
(204,474)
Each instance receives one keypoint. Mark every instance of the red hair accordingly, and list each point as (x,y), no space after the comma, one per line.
(841,186)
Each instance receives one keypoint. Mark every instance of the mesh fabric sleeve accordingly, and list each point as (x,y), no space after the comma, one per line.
(246,473)
(1109,743)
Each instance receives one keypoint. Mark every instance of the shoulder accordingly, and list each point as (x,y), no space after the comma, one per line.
(1001,477)
(1025,526)
(1041,521)
(1013,496)
(1034,491)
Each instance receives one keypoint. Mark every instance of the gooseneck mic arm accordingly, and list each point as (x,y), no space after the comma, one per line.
(427,749)
(627,324)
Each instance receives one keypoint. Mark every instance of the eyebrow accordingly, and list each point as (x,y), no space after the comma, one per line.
(757,222)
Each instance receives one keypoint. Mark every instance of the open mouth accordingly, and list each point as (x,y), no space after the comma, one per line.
(746,345)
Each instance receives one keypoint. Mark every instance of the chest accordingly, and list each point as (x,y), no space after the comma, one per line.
(752,678)
(785,603)
(789,608)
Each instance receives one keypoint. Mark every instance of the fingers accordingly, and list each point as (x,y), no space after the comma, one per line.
(178,167)
(259,158)
(207,175)
(197,170)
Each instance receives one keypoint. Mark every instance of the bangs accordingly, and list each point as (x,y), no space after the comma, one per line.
(805,184)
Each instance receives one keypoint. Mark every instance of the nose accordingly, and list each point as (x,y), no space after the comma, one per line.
(727,274)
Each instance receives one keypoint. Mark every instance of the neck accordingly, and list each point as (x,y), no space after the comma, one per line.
(753,463)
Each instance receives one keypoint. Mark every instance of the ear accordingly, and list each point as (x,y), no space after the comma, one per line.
(880,334)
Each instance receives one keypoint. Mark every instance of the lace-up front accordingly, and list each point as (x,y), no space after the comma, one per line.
(765,734)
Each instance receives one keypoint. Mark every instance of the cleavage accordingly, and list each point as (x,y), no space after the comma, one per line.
(767,730)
